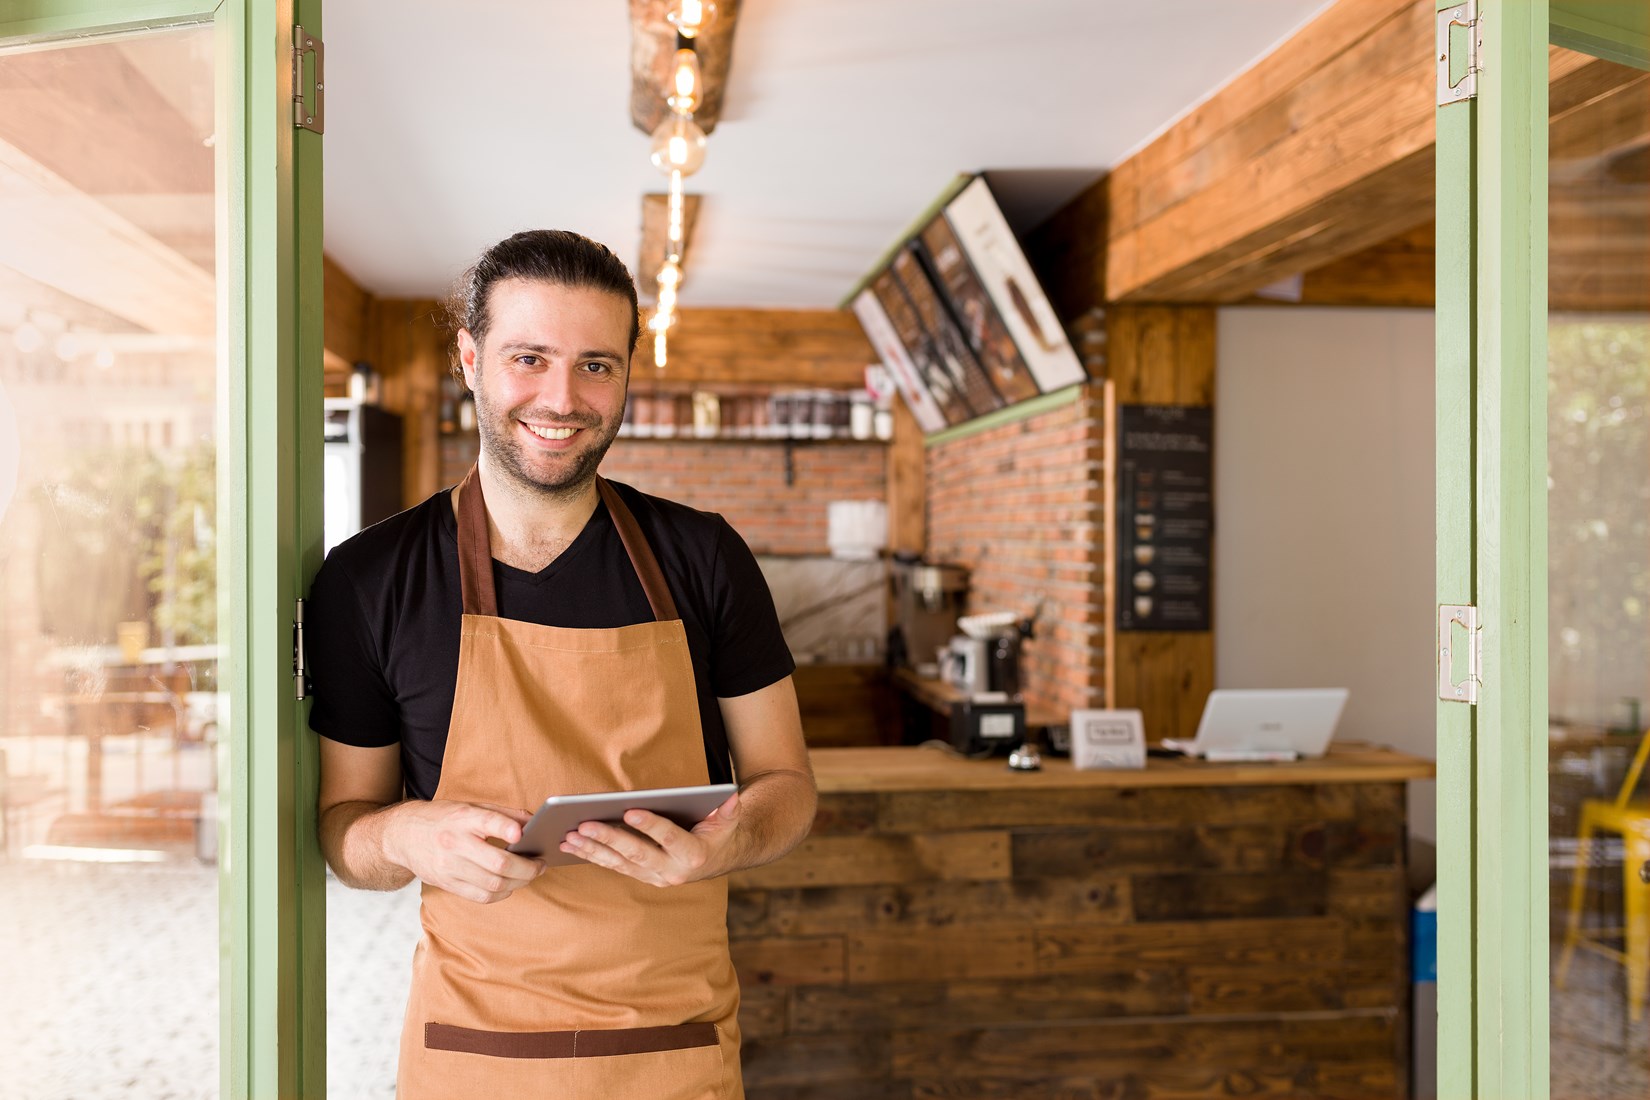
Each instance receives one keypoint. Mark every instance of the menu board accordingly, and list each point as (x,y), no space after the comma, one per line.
(939,328)
(974,331)
(889,348)
(982,326)
(1003,269)
(942,388)
(1165,516)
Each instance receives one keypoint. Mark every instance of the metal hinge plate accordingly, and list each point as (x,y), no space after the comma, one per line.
(304,115)
(1464,14)
(300,667)
(1449,689)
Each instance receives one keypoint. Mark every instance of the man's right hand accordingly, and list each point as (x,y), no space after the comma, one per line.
(445,844)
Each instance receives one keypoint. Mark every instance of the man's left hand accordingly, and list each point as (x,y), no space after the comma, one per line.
(660,852)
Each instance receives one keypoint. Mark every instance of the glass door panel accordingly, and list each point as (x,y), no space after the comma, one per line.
(112,726)
(1598,455)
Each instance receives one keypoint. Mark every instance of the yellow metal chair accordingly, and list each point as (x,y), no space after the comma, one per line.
(1632,821)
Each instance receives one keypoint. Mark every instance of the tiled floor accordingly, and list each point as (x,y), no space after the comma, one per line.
(108,982)
(1597,1054)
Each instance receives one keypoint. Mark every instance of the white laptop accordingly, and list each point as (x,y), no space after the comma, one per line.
(1265,725)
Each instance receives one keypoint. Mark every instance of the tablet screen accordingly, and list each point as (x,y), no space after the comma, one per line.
(562,814)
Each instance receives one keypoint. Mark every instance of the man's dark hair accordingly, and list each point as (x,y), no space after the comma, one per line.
(548,255)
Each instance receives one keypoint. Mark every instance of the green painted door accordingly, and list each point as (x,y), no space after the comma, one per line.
(1542,200)
(160,440)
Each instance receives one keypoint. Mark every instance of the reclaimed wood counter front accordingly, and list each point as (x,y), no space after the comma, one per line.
(955,929)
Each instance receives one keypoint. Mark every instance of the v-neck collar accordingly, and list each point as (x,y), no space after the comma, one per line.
(589,533)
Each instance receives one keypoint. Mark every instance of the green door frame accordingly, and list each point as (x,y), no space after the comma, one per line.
(1491,410)
(272,916)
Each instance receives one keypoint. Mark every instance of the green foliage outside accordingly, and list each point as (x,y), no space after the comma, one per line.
(128,534)
(1598,501)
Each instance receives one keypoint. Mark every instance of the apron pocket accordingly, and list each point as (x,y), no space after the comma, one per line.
(595,1043)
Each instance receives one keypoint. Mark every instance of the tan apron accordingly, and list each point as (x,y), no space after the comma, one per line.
(584,984)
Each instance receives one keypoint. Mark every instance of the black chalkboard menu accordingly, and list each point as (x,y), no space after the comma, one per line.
(1165,516)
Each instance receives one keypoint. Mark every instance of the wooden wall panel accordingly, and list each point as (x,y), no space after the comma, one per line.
(847,704)
(412,358)
(346,338)
(907,485)
(804,347)
(1161,355)
(867,860)
(1203,941)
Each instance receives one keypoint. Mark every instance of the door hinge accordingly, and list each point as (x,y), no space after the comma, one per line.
(305,116)
(300,667)
(1449,689)
(1464,14)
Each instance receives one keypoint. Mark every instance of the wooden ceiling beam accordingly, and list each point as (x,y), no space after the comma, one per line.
(66,239)
(1321,151)
(655,226)
(652,51)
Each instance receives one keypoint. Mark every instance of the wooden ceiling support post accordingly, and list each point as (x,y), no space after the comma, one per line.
(1160,355)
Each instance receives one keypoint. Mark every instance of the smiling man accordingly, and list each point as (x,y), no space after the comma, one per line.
(539,630)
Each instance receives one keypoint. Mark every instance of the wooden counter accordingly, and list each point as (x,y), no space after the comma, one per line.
(954,929)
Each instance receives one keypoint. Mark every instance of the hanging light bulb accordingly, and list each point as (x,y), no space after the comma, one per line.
(675,204)
(678,146)
(27,338)
(667,300)
(105,358)
(671,274)
(692,17)
(687,82)
(659,349)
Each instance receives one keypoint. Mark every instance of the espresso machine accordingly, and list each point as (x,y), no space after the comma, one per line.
(928,599)
(983,665)
(985,657)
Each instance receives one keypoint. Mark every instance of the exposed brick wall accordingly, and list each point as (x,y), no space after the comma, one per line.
(746,483)
(1022,505)
(743,481)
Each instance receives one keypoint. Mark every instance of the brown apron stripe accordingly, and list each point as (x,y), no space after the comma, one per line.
(475,555)
(568,1044)
(641,554)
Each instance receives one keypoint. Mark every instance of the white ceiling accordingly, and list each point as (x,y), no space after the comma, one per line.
(450,126)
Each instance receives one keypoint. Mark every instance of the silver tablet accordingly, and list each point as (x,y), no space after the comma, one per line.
(562,813)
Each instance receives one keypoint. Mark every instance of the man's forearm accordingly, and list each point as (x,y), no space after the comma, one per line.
(776,812)
(352,838)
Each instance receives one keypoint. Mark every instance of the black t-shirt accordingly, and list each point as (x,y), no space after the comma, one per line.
(382,623)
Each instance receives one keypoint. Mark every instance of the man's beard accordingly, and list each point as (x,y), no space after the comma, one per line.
(557,475)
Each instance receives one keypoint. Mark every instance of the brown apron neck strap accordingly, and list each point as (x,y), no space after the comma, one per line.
(475,551)
(641,554)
